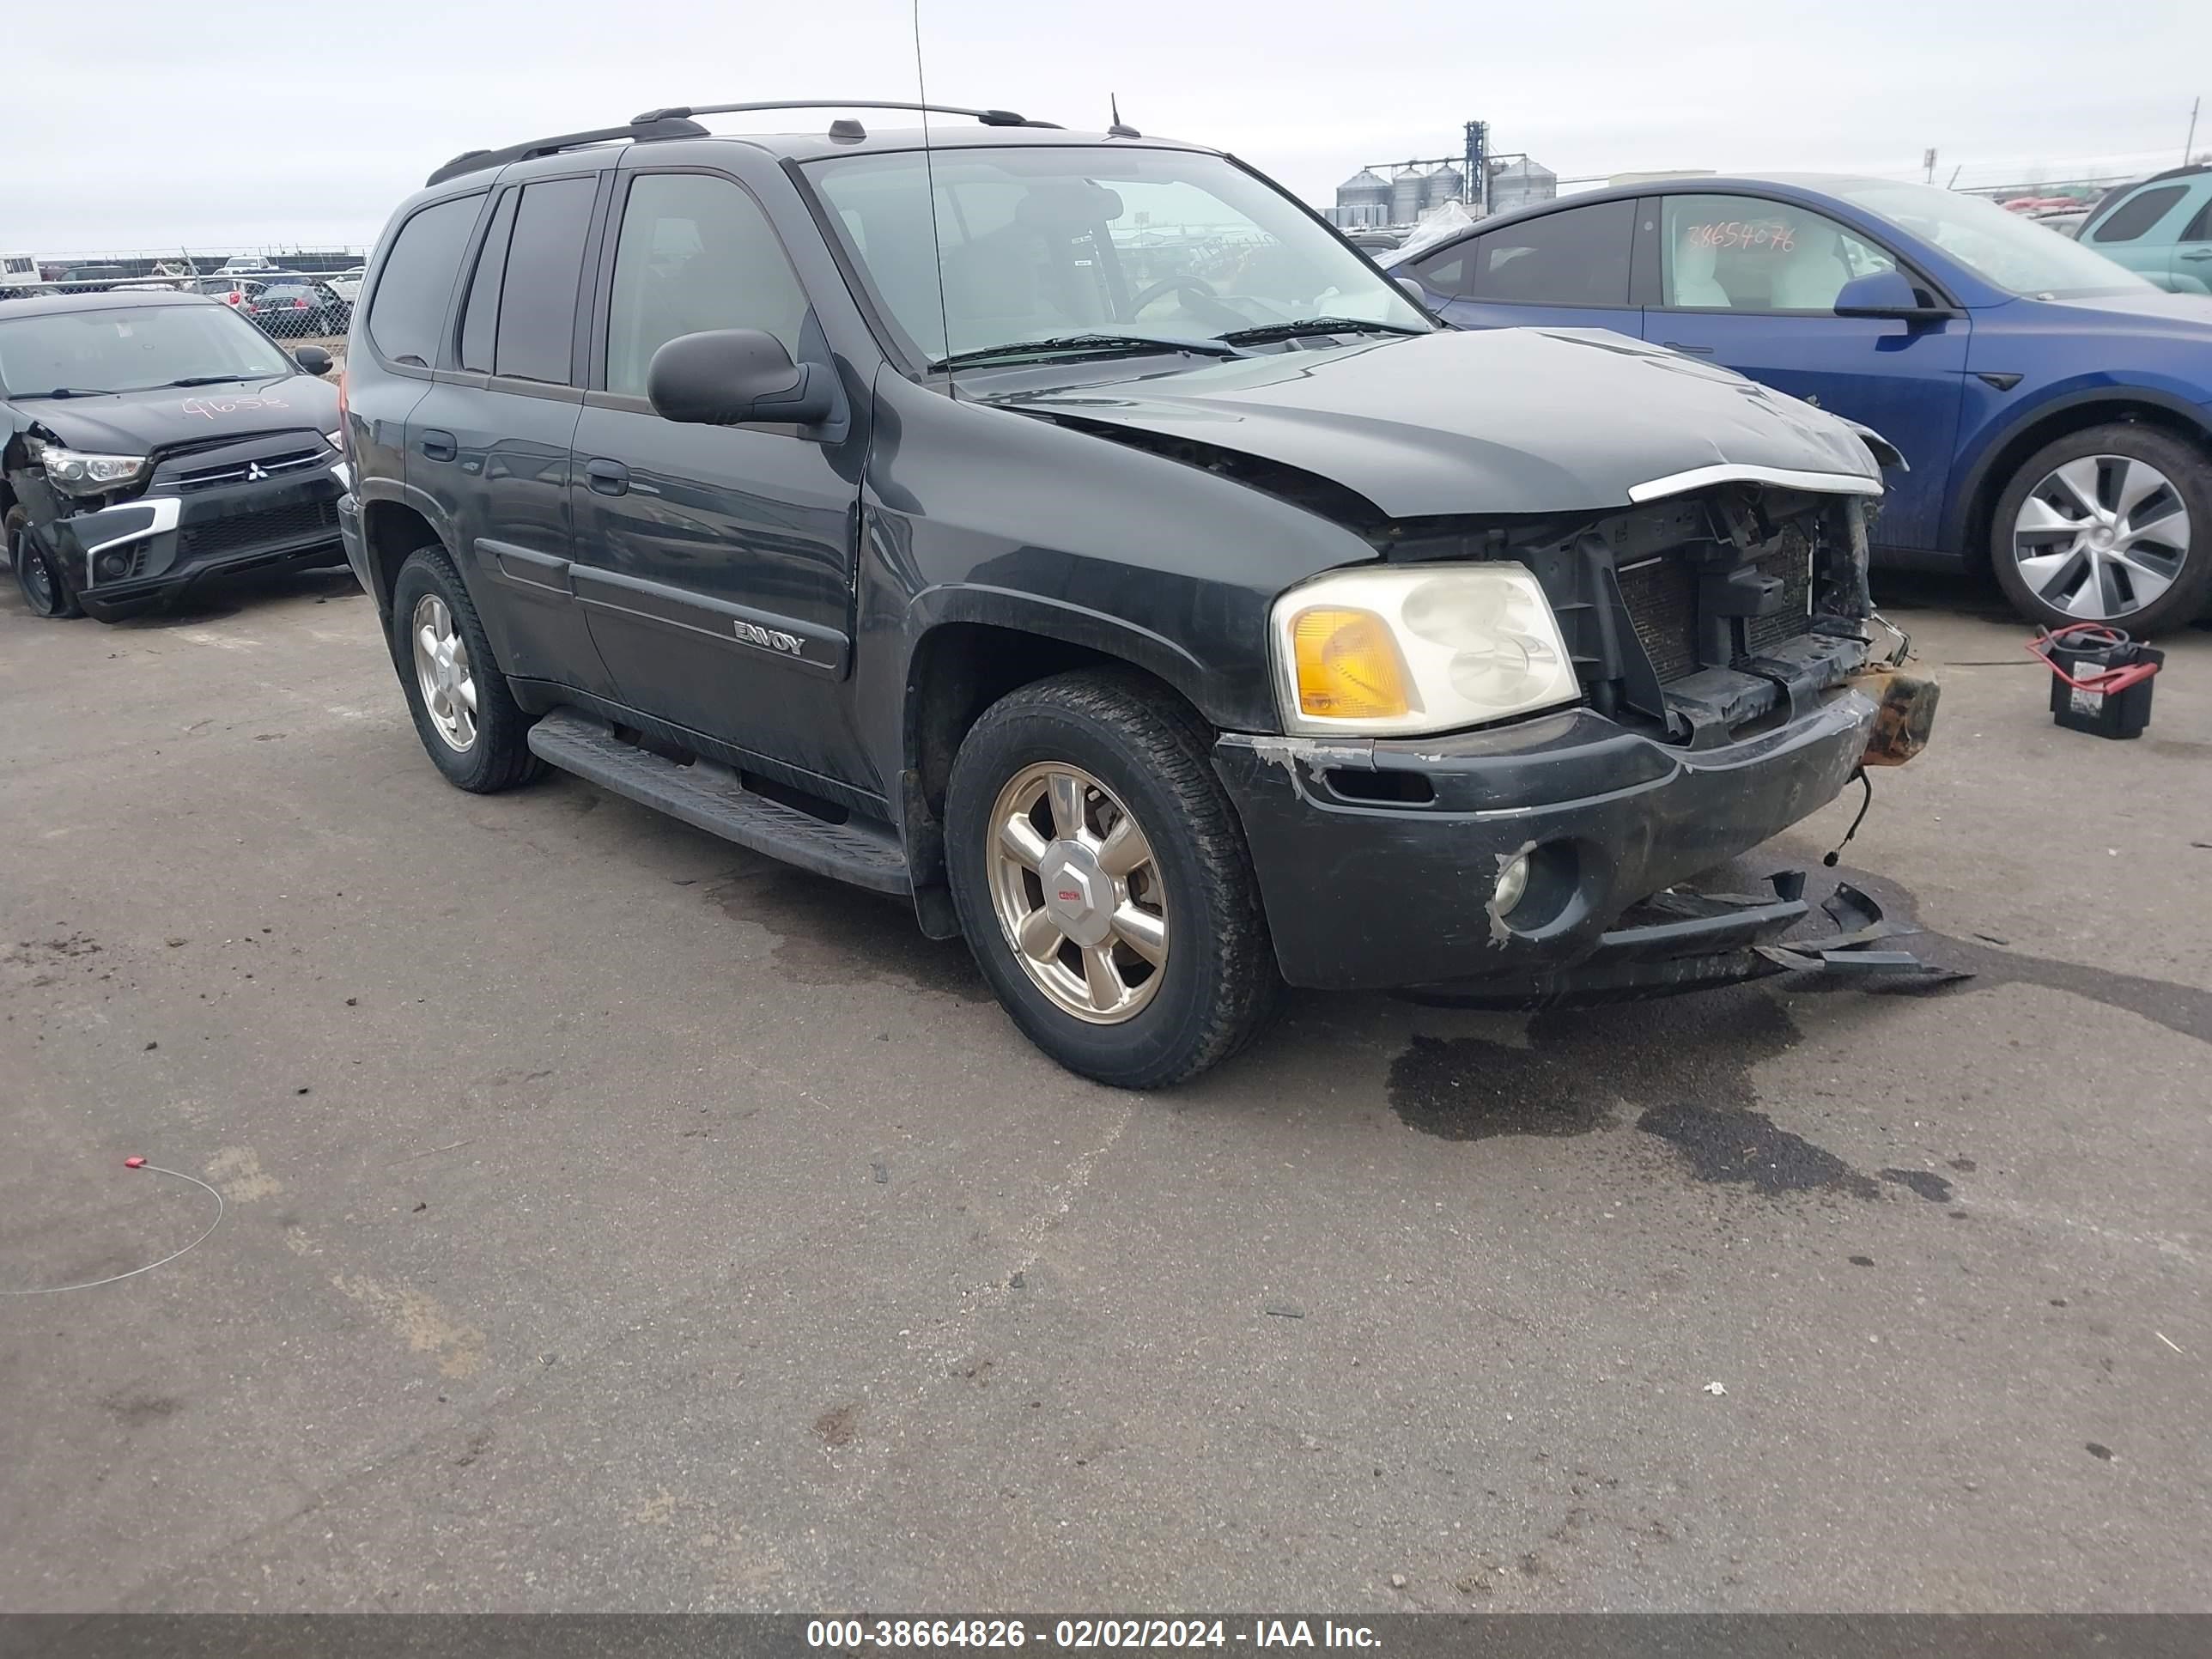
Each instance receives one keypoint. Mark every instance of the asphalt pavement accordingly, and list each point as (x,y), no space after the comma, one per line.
(615,1219)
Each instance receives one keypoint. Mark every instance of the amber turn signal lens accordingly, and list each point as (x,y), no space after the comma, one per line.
(1348,665)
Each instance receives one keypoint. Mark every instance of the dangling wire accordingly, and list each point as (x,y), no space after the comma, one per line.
(1867,784)
(929,176)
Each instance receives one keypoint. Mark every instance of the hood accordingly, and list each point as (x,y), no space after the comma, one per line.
(2149,311)
(1515,420)
(144,422)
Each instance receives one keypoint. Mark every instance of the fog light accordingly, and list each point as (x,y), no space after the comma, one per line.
(1512,883)
(113,565)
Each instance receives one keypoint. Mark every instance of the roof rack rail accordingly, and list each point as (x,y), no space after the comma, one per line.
(646,127)
(989,118)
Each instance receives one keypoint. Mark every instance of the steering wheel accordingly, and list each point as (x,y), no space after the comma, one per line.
(1196,287)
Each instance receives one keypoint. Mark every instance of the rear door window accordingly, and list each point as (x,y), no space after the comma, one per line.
(2128,221)
(416,281)
(537,330)
(1577,257)
(480,315)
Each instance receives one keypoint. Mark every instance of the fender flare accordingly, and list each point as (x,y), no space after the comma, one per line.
(1073,624)
(371,493)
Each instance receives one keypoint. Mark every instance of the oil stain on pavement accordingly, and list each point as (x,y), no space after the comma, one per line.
(1578,1063)
(2185,1009)
(1746,1148)
(1685,1067)
(831,934)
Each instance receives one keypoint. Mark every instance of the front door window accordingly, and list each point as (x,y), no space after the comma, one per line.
(1745,254)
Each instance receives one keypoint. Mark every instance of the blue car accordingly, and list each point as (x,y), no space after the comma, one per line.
(2054,409)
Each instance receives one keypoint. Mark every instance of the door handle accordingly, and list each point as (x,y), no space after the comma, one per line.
(2198,253)
(608,477)
(439,446)
(1676,345)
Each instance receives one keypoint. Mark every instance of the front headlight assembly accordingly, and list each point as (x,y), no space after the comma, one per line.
(76,473)
(1400,650)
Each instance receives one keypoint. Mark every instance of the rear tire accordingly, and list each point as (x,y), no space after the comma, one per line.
(44,593)
(2153,569)
(1187,966)
(473,729)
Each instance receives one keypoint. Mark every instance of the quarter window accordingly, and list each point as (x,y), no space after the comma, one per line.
(416,281)
(1745,254)
(1576,256)
(2137,214)
(537,297)
(696,253)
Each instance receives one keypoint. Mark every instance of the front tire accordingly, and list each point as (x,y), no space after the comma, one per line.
(44,593)
(467,718)
(1102,881)
(2110,525)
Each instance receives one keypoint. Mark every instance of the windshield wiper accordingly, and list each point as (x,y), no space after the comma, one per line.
(1097,344)
(211,379)
(1264,333)
(71,392)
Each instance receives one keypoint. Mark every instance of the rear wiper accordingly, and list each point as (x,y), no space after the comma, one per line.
(1095,345)
(71,392)
(1265,333)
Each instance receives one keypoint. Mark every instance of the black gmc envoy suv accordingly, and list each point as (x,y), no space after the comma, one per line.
(1072,535)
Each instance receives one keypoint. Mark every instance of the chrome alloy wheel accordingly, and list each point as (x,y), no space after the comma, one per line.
(2101,537)
(1078,893)
(441,668)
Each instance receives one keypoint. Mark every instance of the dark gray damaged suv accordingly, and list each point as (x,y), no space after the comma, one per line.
(1075,535)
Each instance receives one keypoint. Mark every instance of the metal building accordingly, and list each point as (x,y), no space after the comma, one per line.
(1362,199)
(1518,181)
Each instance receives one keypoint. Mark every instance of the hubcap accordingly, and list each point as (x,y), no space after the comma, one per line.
(1078,893)
(441,668)
(2101,538)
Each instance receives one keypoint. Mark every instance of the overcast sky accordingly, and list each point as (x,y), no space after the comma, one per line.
(136,125)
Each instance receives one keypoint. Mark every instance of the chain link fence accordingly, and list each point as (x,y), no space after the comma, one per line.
(298,296)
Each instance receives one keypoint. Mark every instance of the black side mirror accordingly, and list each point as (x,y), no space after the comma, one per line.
(313,359)
(728,376)
(1888,295)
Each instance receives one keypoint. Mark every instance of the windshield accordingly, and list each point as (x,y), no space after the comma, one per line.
(1053,241)
(130,349)
(2014,253)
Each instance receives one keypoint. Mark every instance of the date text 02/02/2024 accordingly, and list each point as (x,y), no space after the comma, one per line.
(858,1635)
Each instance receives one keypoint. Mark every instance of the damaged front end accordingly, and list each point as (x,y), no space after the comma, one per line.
(1734,678)
(1696,618)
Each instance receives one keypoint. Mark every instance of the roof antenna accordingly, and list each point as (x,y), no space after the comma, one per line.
(1118,129)
(936,236)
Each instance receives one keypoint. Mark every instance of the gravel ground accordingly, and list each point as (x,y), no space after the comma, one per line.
(617,1219)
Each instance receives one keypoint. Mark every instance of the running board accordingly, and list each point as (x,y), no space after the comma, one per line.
(709,796)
